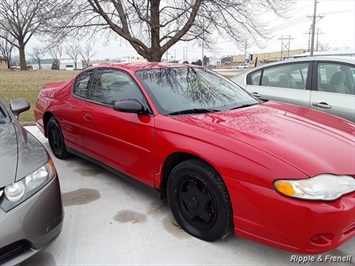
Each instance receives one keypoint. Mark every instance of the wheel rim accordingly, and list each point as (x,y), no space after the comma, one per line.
(197,203)
(56,138)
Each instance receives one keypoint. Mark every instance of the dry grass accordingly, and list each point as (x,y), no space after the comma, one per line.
(16,84)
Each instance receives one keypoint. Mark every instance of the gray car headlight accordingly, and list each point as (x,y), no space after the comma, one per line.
(321,187)
(20,191)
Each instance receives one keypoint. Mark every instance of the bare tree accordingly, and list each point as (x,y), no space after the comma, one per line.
(73,51)
(23,18)
(37,54)
(5,46)
(56,51)
(324,47)
(87,54)
(153,26)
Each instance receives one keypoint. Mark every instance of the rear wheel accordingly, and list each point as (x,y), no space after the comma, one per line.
(199,200)
(56,139)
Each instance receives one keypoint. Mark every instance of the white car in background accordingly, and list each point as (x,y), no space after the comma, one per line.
(323,83)
(242,66)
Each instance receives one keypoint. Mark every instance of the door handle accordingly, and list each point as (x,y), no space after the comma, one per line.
(256,94)
(88,117)
(322,105)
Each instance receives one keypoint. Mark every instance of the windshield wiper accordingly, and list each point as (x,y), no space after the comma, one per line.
(194,111)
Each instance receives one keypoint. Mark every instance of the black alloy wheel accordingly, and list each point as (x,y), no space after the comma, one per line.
(199,200)
(56,139)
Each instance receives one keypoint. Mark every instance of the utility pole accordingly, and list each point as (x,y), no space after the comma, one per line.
(313,27)
(203,51)
(184,53)
(317,44)
(285,46)
(245,50)
(167,56)
(203,41)
(309,38)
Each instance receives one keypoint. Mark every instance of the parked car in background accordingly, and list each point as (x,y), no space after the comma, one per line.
(242,66)
(322,83)
(279,174)
(31,211)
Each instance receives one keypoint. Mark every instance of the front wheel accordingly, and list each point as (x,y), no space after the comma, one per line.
(199,200)
(56,139)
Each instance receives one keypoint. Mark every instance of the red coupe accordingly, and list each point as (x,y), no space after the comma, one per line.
(275,173)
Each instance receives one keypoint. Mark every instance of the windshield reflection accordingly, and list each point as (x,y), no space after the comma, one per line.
(191,88)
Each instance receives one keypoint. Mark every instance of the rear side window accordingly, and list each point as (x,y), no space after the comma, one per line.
(336,78)
(81,85)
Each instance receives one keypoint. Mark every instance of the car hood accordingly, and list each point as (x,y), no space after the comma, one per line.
(20,153)
(309,140)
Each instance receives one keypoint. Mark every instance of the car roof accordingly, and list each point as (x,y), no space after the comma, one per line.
(343,59)
(142,66)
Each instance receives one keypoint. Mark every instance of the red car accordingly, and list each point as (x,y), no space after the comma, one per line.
(275,173)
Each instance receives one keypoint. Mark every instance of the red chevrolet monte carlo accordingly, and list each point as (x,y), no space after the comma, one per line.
(278,174)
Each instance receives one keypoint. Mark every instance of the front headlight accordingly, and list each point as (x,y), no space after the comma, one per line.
(20,191)
(322,187)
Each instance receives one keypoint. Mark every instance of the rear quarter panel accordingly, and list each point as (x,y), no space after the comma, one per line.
(342,105)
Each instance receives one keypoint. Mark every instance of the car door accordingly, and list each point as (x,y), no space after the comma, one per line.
(69,112)
(123,141)
(285,83)
(333,89)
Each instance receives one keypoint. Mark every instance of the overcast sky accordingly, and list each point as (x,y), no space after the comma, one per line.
(335,24)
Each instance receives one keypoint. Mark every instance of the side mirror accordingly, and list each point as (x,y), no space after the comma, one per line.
(19,106)
(128,106)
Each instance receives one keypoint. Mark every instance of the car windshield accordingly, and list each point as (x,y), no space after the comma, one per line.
(184,90)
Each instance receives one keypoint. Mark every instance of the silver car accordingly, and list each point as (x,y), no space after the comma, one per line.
(323,83)
(31,210)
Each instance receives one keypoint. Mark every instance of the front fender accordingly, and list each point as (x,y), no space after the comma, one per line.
(230,157)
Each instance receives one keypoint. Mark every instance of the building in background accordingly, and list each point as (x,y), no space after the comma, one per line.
(3,63)
(266,57)
(68,64)
(45,64)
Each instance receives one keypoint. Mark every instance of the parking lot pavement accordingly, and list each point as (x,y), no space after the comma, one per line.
(110,221)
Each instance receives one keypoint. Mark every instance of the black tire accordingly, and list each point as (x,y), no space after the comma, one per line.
(199,200)
(56,139)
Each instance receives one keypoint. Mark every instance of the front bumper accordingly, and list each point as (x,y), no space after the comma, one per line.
(32,225)
(306,227)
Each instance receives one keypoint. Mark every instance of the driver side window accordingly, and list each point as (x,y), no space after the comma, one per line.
(110,86)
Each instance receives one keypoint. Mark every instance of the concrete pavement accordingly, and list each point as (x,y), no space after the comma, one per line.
(110,221)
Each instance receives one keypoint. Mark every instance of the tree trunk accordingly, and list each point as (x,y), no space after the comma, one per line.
(155,50)
(9,58)
(155,55)
(21,49)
